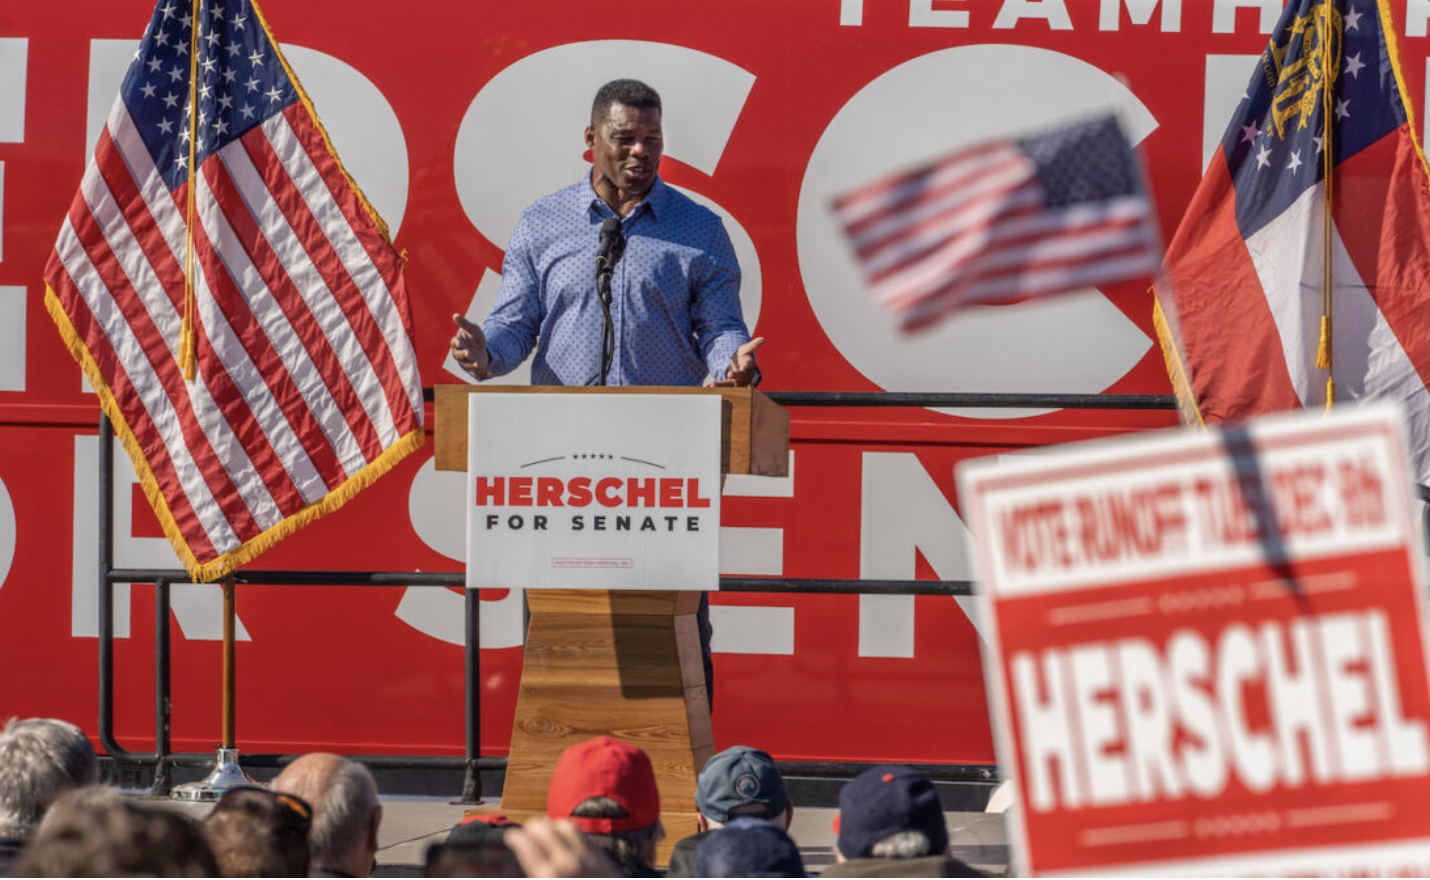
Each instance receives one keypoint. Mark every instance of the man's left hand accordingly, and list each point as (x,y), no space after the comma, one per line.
(742,366)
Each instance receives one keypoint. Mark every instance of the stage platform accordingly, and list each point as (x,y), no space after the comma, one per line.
(410,824)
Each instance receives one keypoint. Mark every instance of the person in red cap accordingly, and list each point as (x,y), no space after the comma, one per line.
(607,788)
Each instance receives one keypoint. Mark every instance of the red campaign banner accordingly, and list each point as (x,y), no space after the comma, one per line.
(452,116)
(1208,650)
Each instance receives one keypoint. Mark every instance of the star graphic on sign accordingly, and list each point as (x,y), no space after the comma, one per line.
(176,74)
(161,39)
(247,111)
(1263,158)
(155,64)
(1353,20)
(211,37)
(166,126)
(1295,161)
(1354,65)
(171,100)
(233,50)
(1343,108)
(148,90)
(210,65)
(257,59)
(273,94)
(182,47)
(229,75)
(181,160)
(217,13)
(184,136)
(253,84)
(186,20)
(205,91)
(1249,133)
(168,11)
(220,127)
(225,101)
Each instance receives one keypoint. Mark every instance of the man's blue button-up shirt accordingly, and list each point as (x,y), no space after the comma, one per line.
(675,302)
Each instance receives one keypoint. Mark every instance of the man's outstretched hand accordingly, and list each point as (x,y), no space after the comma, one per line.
(742,366)
(469,347)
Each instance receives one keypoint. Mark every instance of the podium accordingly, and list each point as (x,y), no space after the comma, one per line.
(626,663)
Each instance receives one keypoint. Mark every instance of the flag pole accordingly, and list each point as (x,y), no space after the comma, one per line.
(226,774)
(229,666)
(1323,350)
(187,355)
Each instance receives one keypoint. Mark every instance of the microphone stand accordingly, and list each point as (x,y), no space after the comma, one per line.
(608,332)
(613,245)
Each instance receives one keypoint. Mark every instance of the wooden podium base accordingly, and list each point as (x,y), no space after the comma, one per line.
(624,663)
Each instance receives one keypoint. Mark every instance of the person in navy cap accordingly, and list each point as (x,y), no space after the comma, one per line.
(891,824)
(748,848)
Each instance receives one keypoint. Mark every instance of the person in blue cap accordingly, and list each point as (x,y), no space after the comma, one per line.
(738,782)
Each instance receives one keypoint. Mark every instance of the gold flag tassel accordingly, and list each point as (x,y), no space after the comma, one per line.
(188,356)
(1328,75)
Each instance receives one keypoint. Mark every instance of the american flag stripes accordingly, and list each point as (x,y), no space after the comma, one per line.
(1002,221)
(306,387)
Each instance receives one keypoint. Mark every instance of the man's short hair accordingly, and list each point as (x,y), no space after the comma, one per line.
(342,810)
(255,832)
(95,832)
(40,759)
(627,92)
(902,845)
(633,847)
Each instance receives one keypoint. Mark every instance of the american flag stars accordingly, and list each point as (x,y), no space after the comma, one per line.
(239,81)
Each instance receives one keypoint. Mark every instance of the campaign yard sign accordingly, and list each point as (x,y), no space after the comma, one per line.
(595,491)
(1206,651)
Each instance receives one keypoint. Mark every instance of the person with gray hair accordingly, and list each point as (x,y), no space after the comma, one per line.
(346,812)
(40,759)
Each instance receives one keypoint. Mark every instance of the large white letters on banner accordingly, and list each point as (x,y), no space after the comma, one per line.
(198,608)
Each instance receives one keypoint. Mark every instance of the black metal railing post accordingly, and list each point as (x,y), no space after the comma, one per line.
(472,775)
(162,781)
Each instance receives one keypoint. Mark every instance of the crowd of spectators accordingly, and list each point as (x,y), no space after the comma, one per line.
(320,817)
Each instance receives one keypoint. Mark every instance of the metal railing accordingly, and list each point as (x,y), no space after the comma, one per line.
(471,762)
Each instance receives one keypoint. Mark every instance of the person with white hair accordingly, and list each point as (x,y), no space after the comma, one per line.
(40,759)
(346,812)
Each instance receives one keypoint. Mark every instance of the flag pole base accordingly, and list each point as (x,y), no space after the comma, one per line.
(225,775)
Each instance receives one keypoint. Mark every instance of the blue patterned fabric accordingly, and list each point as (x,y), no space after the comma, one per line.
(675,293)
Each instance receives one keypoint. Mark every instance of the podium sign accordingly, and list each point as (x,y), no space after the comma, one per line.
(1206,651)
(588,491)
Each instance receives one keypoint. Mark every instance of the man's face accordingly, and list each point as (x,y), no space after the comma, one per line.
(626,147)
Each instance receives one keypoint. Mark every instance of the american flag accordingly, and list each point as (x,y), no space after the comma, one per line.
(1004,220)
(306,386)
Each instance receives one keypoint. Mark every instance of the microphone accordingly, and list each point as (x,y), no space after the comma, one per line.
(612,245)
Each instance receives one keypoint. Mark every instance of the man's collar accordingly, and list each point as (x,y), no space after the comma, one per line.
(654,201)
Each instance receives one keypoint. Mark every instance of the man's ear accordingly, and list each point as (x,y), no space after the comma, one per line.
(701,822)
(789,816)
(372,828)
(590,137)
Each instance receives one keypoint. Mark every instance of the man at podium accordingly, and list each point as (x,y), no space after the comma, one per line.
(663,307)
(672,281)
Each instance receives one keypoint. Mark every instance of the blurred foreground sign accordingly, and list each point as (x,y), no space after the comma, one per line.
(1207,651)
